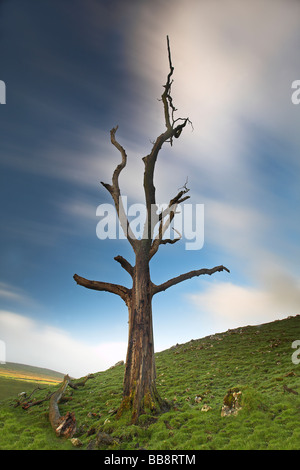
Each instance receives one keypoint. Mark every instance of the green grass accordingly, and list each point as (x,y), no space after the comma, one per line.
(257,360)
(11,387)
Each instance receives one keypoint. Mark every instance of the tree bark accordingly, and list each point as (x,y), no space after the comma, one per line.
(63,425)
(139,390)
(122,291)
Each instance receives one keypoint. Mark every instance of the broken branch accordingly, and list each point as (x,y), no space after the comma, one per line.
(183,277)
(122,291)
(83,381)
(169,212)
(125,264)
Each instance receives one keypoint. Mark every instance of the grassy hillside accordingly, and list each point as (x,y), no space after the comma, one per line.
(16,378)
(257,360)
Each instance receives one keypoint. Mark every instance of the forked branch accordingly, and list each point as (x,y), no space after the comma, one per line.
(168,214)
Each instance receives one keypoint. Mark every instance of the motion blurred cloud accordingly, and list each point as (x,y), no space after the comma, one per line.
(231,306)
(30,342)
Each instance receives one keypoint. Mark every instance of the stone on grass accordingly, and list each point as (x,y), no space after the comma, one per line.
(232,402)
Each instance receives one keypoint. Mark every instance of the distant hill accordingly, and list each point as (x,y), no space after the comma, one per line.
(15,378)
(23,371)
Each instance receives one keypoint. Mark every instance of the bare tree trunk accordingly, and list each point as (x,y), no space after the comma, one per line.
(139,391)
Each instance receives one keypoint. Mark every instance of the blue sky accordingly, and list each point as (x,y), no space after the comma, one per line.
(73,70)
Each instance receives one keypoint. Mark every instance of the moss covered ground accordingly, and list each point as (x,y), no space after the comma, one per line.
(257,360)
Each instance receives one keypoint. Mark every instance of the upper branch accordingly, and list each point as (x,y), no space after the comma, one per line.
(174,128)
(166,96)
(184,277)
(115,178)
(114,189)
(122,291)
(169,108)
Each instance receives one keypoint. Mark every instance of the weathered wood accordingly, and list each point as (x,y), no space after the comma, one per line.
(66,426)
(25,401)
(29,404)
(185,276)
(139,379)
(63,425)
(114,189)
(103,286)
(84,380)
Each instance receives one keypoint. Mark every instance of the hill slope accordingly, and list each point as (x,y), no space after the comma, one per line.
(23,371)
(256,360)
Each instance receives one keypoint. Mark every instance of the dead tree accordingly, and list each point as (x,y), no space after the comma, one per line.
(139,388)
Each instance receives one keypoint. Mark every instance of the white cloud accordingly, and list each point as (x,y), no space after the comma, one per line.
(228,305)
(79,210)
(30,342)
(233,69)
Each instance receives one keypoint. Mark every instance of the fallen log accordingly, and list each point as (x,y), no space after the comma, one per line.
(64,426)
(29,404)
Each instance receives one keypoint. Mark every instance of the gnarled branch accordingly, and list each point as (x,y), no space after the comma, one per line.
(184,277)
(125,264)
(122,291)
(114,189)
(166,96)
